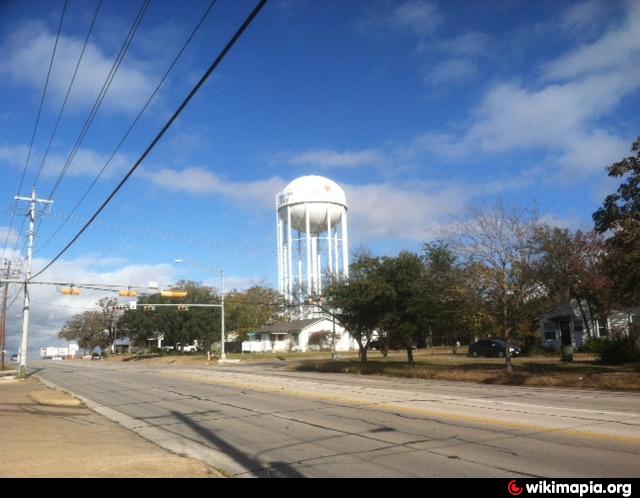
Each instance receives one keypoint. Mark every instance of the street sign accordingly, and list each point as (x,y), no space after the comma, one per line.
(173,293)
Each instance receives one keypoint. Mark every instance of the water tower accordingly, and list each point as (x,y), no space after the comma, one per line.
(313,247)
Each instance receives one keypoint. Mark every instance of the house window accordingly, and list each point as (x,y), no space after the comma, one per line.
(577,327)
(602,328)
(549,331)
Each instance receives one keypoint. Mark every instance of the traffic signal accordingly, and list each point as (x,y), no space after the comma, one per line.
(173,293)
(70,291)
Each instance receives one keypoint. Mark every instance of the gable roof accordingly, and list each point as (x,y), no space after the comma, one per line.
(287,327)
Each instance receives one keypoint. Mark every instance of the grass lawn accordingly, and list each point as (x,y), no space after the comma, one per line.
(440,364)
(536,371)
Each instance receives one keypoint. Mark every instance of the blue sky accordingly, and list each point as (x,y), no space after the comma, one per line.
(415,107)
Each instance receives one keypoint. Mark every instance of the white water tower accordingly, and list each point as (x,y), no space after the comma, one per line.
(313,247)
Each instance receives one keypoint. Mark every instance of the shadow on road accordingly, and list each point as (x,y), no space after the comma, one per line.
(253,466)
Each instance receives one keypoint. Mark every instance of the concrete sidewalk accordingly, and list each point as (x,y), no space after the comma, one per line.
(47,433)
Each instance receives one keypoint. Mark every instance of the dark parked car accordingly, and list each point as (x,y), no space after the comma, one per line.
(96,356)
(14,357)
(492,347)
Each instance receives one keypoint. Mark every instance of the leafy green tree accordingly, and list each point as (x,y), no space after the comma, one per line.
(405,318)
(619,218)
(362,301)
(248,310)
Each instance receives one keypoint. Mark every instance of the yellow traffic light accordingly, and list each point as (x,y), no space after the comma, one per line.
(70,291)
(173,293)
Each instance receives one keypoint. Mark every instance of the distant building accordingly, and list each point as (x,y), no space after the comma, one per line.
(565,325)
(299,335)
(56,352)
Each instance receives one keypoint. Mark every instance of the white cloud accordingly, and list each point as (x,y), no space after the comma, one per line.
(417,17)
(200,181)
(50,309)
(11,236)
(583,15)
(13,155)
(471,44)
(87,162)
(617,49)
(376,211)
(559,118)
(451,72)
(570,222)
(25,56)
(326,158)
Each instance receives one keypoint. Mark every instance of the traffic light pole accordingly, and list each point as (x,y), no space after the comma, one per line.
(33,202)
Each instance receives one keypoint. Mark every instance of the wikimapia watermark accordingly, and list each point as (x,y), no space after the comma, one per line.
(580,489)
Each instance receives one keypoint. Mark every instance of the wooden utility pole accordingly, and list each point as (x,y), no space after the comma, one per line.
(3,320)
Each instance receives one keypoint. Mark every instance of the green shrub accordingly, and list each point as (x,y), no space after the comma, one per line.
(621,348)
(537,349)
(593,345)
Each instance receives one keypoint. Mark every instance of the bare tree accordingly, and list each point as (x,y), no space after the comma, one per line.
(496,245)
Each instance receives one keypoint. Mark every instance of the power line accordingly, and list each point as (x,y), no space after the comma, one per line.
(66,98)
(132,125)
(35,128)
(101,95)
(167,125)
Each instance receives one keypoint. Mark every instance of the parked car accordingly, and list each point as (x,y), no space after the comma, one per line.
(188,348)
(492,347)
(14,357)
(96,356)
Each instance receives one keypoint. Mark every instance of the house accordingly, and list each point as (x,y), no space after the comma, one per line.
(121,346)
(57,352)
(565,325)
(299,335)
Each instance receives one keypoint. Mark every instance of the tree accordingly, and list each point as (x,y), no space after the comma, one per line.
(571,266)
(619,217)
(362,301)
(455,313)
(405,316)
(88,329)
(496,245)
(176,325)
(248,310)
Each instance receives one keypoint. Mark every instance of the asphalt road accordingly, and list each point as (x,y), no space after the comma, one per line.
(263,421)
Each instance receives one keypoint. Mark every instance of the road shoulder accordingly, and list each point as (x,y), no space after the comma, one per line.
(48,433)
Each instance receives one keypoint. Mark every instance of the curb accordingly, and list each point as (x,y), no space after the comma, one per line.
(165,440)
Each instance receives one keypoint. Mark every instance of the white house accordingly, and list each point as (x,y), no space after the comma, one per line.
(300,335)
(56,352)
(565,324)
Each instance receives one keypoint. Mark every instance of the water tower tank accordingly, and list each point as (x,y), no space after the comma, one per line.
(320,196)
(313,248)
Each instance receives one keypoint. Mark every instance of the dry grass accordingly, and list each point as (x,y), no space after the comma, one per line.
(538,371)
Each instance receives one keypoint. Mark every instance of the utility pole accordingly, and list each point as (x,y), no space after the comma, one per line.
(223,356)
(33,202)
(7,273)
(4,312)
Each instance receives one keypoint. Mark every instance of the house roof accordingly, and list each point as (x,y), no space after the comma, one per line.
(288,327)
